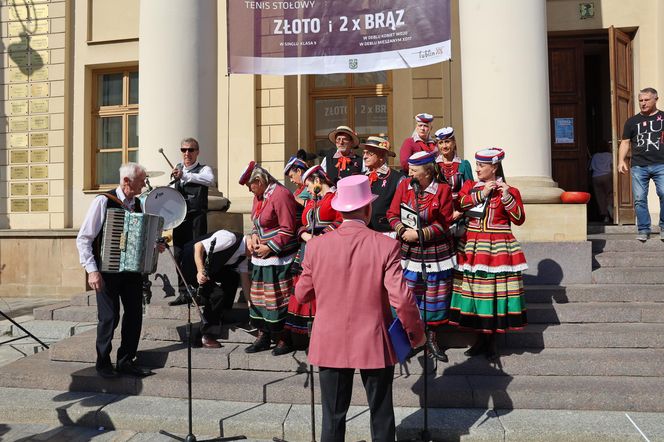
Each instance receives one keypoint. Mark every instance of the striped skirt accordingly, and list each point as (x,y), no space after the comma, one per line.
(488,302)
(435,293)
(271,290)
(299,315)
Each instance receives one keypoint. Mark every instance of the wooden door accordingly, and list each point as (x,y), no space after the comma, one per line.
(620,53)
(569,153)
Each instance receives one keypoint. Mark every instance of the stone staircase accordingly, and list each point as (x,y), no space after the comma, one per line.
(592,346)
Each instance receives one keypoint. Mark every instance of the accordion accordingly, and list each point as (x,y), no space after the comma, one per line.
(129,242)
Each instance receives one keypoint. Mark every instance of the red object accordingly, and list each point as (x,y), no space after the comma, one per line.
(575,197)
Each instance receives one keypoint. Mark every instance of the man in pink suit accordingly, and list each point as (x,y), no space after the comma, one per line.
(355,275)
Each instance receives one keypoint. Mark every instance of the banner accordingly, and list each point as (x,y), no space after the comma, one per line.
(326,36)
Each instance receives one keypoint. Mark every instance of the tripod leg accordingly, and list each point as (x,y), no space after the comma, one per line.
(24,330)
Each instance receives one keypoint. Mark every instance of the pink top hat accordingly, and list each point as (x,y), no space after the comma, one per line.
(353,192)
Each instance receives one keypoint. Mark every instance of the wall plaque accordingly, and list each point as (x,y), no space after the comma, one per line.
(16,75)
(38,172)
(18,140)
(18,124)
(18,107)
(39,205)
(38,106)
(39,122)
(17,44)
(39,90)
(18,205)
(18,172)
(40,74)
(14,28)
(18,90)
(41,11)
(18,58)
(39,156)
(39,42)
(41,28)
(18,12)
(39,57)
(18,156)
(18,189)
(39,139)
(39,188)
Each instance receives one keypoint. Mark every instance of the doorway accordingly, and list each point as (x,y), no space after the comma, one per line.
(590,88)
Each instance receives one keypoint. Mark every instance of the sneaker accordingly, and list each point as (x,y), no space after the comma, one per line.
(643,236)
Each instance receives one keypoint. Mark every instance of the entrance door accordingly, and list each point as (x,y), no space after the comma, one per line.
(569,154)
(620,52)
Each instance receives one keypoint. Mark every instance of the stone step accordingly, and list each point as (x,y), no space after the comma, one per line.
(633,259)
(624,243)
(580,293)
(176,330)
(628,275)
(537,362)
(596,312)
(51,330)
(628,393)
(594,229)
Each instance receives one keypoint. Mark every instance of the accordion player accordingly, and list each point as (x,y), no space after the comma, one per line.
(129,242)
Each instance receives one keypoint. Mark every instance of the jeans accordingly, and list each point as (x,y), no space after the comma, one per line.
(641,176)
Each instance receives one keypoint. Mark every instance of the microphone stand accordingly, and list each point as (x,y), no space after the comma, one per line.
(190,299)
(420,236)
(310,325)
(23,330)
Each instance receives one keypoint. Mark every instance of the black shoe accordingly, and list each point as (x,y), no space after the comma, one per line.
(477,348)
(130,368)
(180,300)
(107,372)
(432,345)
(261,343)
(282,348)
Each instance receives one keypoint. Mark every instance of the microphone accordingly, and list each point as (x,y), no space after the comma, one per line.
(415,184)
(317,189)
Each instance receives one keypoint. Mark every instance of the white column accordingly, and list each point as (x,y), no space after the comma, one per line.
(505,89)
(177,80)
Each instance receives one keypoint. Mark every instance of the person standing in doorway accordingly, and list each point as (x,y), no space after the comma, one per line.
(644,137)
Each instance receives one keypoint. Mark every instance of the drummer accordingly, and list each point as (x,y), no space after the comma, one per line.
(192,180)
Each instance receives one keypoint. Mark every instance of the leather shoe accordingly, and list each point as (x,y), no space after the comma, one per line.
(432,345)
(261,343)
(130,368)
(282,348)
(180,300)
(107,372)
(209,342)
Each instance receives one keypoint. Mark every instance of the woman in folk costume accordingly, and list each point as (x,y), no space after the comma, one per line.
(294,169)
(319,216)
(488,287)
(435,200)
(420,141)
(273,246)
(342,161)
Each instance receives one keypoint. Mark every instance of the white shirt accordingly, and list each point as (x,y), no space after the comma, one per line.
(92,225)
(225,239)
(204,177)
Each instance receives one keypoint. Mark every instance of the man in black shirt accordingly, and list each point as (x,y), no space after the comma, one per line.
(643,134)
(383,180)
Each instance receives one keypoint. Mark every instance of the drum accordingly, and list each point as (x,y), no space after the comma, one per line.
(167,203)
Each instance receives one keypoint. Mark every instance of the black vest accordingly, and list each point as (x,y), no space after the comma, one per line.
(110,204)
(353,168)
(196,195)
(218,261)
(385,188)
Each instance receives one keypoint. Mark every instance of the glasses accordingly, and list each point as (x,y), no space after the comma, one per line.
(188,149)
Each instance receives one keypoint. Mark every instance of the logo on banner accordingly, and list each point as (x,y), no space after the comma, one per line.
(352,63)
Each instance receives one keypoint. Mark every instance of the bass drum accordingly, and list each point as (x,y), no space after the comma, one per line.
(167,203)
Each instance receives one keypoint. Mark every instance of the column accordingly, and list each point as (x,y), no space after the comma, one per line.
(505,90)
(177,81)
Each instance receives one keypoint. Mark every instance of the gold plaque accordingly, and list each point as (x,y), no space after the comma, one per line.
(39,42)
(18,156)
(18,172)
(18,189)
(40,74)
(39,58)
(18,140)
(17,44)
(39,122)
(18,107)
(38,172)
(18,124)
(39,156)
(39,139)
(17,205)
(39,90)
(39,205)
(18,58)
(17,11)
(39,188)
(38,106)
(14,28)
(41,28)
(16,75)
(18,90)
(41,11)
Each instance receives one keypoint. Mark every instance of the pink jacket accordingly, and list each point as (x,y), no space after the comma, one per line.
(355,275)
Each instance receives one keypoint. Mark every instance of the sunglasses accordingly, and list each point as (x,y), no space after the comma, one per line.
(188,149)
